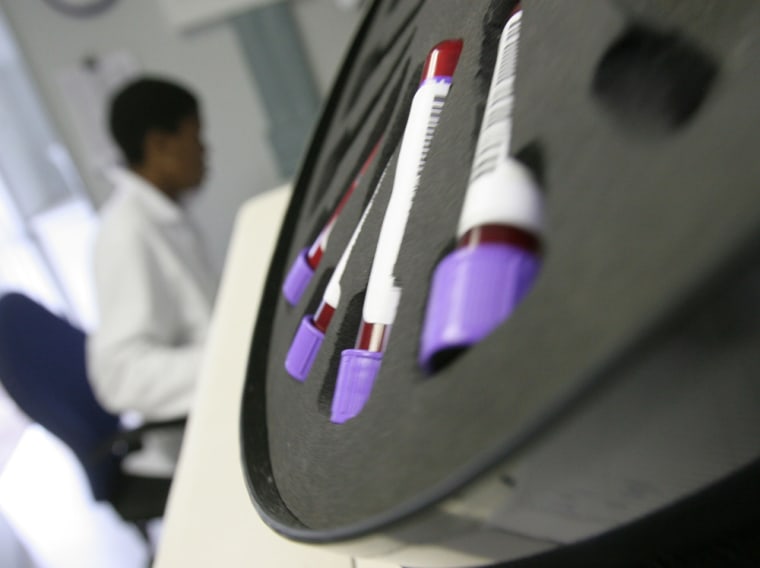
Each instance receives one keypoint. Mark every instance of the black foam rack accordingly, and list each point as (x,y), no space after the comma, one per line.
(624,391)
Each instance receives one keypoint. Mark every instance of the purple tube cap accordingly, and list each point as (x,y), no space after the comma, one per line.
(356,377)
(304,349)
(473,291)
(297,279)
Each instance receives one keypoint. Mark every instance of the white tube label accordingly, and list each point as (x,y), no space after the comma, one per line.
(496,128)
(381,301)
(332,290)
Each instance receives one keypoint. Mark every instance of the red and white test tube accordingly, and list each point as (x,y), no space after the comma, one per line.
(477,286)
(359,366)
(303,268)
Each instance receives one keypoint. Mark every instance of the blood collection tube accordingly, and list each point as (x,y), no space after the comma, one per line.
(311,331)
(359,366)
(307,261)
(477,287)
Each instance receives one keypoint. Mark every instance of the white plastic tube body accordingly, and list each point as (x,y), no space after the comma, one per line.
(381,301)
(333,290)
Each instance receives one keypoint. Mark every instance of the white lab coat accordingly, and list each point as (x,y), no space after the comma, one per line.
(155,292)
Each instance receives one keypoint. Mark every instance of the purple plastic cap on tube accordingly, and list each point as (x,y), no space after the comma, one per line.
(298,279)
(473,291)
(356,376)
(304,349)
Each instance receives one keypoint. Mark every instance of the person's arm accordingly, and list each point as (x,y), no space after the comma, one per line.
(139,357)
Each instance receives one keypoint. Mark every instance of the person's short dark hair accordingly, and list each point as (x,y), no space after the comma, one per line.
(148,104)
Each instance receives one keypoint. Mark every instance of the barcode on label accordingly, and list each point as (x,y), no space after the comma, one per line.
(433,119)
(509,50)
(493,142)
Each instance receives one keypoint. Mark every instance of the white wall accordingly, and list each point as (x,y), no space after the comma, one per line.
(326,32)
(207,59)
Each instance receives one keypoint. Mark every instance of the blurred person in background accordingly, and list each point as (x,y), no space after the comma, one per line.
(155,287)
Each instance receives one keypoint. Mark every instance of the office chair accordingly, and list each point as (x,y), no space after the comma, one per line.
(42,366)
